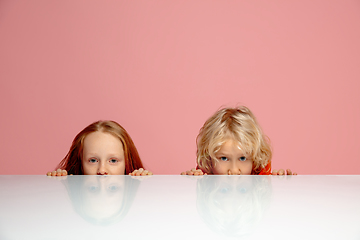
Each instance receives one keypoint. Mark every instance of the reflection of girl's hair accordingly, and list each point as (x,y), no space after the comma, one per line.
(233,205)
(78,192)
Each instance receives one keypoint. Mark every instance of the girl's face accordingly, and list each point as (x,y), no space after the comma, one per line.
(102,198)
(103,154)
(231,160)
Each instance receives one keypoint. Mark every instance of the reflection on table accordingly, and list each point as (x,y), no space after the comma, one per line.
(233,205)
(101,200)
(179,207)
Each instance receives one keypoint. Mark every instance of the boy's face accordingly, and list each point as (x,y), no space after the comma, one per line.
(103,154)
(231,160)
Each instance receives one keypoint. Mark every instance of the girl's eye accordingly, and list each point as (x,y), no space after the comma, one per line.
(243,159)
(113,188)
(113,161)
(92,160)
(223,159)
(93,188)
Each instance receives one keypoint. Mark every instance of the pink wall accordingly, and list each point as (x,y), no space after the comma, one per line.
(161,68)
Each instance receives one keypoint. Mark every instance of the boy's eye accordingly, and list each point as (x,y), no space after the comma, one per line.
(92,160)
(243,159)
(242,189)
(224,190)
(223,158)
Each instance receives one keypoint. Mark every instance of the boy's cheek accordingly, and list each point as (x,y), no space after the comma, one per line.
(219,169)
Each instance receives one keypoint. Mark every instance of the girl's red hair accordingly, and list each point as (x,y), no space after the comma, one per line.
(72,161)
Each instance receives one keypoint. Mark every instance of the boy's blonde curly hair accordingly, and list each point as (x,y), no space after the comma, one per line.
(239,124)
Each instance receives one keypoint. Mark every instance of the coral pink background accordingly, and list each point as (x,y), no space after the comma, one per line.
(161,68)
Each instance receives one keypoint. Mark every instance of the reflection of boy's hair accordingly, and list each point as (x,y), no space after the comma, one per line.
(233,205)
(77,190)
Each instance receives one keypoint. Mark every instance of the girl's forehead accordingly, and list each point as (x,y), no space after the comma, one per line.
(99,138)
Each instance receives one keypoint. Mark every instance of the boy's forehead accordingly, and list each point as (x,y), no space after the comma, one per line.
(230,140)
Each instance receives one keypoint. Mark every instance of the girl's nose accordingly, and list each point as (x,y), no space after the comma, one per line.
(102,170)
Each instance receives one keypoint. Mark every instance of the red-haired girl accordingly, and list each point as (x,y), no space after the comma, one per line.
(102,148)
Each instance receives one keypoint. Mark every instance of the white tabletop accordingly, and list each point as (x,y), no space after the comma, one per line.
(180,207)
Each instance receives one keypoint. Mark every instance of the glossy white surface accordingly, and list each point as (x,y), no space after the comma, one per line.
(180,207)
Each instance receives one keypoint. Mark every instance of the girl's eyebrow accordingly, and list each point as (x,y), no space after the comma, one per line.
(91,154)
(114,155)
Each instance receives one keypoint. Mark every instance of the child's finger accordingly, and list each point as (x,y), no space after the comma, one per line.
(199,172)
(48,173)
(281,172)
(53,173)
(288,172)
(133,173)
(144,173)
(274,172)
(58,172)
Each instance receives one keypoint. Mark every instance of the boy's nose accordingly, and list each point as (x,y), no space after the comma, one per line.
(234,170)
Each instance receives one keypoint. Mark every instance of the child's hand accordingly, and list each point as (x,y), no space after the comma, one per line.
(195,172)
(282,172)
(57,173)
(141,172)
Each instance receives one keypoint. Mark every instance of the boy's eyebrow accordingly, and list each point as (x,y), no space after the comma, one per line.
(221,152)
(227,153)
